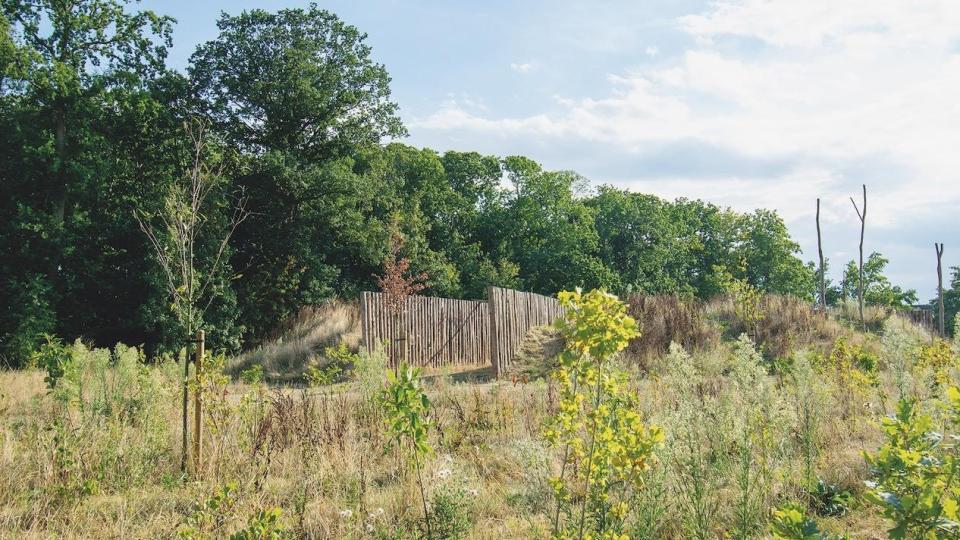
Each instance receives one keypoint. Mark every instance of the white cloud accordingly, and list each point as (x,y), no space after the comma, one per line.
(821,83)
(526,67)
(651,51)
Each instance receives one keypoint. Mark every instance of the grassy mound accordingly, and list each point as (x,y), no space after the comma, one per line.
(300,342)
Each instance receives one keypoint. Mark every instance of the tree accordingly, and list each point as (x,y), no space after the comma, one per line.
(548,232)
(876,289)
(297,94)
(862,215)
(940,309)
(823,267)
(951,302)
(768,256)
(298,80)
(69,41)
(193,282)
(68,71)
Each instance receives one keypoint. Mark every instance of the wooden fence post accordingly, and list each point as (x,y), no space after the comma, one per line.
(198,408)
(186,405)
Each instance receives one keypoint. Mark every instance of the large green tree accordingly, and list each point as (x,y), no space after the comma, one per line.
(296,91)
(75,67)
(297,80)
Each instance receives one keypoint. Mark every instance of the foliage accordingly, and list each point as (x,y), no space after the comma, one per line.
(210,514)
(790,523)
(607,448)
(830,500)
(54,358)
(252,375)
(450,513)
(940,358)
(916,473)
(877,289)
(263,525)
(854,367)
(406,407)
(98,114)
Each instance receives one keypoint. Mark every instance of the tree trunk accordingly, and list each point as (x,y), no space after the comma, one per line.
(59,188)
(823,282)
(939,249)
(863,223)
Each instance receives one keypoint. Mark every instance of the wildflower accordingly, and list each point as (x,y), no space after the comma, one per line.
(369,527)
(448,458)
(375,514)
(346,514)
(443,474)
(473,492)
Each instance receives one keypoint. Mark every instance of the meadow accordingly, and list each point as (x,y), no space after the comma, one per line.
(767,425)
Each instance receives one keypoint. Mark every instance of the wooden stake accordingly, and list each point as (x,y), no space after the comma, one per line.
(186,404)
(198,408)
(823,281)
(863,224)
(939,248)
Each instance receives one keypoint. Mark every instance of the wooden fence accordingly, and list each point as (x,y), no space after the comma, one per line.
(427,331)
(442,331)
(512,315)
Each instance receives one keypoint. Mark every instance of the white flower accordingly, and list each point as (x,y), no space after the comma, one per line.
(346,514)
(378,511)
(443,474)
(375,514)
(473,492)
(369,527)
(448,458)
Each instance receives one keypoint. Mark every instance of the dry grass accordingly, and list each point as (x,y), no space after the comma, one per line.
(72,469)
(666,319)
(786,324)
(300,341)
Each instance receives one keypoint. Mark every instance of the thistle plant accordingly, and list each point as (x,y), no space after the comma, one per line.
(406,407)
(606,447)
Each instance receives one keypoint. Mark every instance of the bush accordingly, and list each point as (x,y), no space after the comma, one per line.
(915,474)
(450,514)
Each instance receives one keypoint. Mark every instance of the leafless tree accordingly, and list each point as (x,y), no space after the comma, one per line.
(939,249)
(823,281)
(863,223)
(175,232)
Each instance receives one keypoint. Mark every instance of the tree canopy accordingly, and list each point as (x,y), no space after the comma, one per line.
(301,125)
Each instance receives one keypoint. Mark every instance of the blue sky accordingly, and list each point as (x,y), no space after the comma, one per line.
(745,103)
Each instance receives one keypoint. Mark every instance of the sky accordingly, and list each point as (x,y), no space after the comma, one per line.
(743,103)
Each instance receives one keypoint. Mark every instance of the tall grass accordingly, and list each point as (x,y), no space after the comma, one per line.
(98,454)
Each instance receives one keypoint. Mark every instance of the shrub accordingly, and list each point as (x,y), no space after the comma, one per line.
(52,357)
(450,514)
(789,523)
(915,474)
(263,525)
(406,407)
(607,448)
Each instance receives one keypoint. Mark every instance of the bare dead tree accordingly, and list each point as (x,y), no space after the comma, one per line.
(823,279)
(398,285)
(863,223)
(939,249)
(175,232)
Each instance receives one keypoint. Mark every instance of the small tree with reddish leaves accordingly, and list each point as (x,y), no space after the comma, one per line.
(397,284)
